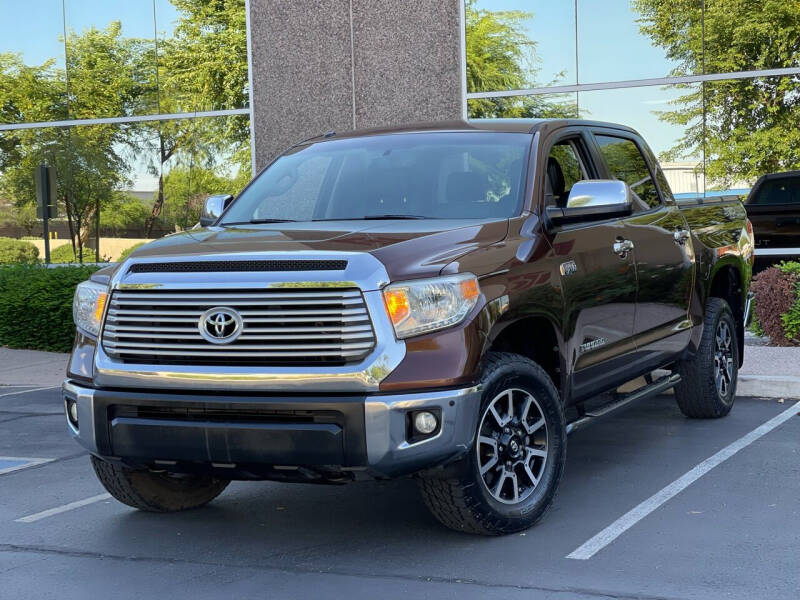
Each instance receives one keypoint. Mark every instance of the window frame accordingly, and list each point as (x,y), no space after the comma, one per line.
(584,147)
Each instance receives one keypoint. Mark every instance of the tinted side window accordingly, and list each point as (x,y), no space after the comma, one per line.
(626,163)
(778,191)
(564,168)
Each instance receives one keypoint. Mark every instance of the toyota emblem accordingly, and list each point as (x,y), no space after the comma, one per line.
(220,325)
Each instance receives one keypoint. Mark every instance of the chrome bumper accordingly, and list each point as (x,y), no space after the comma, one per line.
(377,422)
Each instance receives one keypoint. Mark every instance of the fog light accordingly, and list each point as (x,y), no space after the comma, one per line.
(72,412)
(425,422)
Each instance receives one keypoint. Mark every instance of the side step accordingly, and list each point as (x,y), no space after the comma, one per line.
(662,384)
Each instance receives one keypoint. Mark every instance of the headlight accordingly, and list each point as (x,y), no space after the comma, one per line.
(424,305)
(88,305)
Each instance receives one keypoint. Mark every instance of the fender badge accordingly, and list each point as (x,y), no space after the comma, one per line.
(593,344)
(568,268)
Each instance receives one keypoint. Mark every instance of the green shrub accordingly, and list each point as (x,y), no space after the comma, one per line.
(791,318)
(63,254)
(36,306)
(17,251)
(127,251)
(777,303)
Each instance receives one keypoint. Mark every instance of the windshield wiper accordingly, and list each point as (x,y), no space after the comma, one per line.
(260,221)
(398,216)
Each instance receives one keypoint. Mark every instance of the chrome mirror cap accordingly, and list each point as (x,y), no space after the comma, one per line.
(599,192)
(213,208)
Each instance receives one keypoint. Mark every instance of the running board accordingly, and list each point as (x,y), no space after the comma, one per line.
(658,386)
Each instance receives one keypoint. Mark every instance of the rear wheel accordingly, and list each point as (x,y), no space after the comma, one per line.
(157,491)
(509,478)
(707,388)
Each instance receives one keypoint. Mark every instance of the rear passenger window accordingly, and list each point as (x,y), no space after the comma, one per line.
(627,164)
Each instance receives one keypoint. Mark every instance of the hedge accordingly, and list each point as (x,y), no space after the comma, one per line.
(777,303)
(17,251)
(63,254)
(36,305)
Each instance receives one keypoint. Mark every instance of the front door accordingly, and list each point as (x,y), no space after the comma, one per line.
(598,284)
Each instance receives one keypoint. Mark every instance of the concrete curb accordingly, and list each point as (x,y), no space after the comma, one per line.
(768,386)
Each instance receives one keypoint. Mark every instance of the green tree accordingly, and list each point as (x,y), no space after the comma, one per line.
(500,56)
(203,66)
(186,190)
(751,125)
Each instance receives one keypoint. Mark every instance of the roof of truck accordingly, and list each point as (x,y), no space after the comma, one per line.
(500,125)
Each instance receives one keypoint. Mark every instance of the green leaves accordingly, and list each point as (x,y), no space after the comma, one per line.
(36,306)
(500,56)
(751,125)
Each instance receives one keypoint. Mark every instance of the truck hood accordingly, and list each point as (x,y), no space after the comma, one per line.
(408,249)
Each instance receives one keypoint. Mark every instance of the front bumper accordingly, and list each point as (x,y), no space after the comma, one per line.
(261,433)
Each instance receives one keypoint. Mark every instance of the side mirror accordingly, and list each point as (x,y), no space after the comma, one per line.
(593,200)
(213,207)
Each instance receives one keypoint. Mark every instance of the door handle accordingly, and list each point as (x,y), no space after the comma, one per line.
(622,247)
(681,235)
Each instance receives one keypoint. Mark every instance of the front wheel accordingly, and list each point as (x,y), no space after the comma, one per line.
(509,478)
(156,491)
(708,380)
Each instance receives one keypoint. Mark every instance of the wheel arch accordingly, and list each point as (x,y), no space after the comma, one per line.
(535,337)
(727,283)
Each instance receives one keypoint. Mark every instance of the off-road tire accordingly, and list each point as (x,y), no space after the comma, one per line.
(157,492)
(697,394)
(460,500)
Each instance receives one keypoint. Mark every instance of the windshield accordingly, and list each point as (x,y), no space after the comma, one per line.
(438,175)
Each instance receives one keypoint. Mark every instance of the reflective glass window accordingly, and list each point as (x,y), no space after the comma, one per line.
(626,163)
(111,58)
(32,78)
(519,44)
(540,106)
(202,55)
(638,39)
(669,118)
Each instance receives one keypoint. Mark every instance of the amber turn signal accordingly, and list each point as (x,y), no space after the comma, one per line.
(397,305)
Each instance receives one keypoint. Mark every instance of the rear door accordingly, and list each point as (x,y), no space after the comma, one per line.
(598,286)
(663,250)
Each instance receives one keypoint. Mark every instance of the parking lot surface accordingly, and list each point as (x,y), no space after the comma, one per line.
(731,532)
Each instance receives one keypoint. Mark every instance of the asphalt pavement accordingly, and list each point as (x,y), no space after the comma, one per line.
(728,528)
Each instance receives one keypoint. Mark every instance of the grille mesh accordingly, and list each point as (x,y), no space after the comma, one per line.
(279,327)
(230,266)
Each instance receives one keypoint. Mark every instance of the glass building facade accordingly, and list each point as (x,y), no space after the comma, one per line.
(713,85)
(142,108)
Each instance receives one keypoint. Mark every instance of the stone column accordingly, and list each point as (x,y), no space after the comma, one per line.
(322,65)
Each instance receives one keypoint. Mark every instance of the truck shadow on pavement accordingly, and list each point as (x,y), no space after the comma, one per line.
(609,469)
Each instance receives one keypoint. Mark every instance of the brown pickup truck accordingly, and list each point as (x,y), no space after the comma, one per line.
(447,301)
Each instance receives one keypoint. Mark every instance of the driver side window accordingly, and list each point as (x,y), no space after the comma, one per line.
(564,169)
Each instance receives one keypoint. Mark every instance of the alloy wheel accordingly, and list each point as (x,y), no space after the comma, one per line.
(512,446)
(723,359)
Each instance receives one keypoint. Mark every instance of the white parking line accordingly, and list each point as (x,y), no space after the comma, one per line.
(23,463)
(629,519)
(52,387)
(61,509)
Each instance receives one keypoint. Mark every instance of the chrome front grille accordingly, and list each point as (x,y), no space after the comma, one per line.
(279,327)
